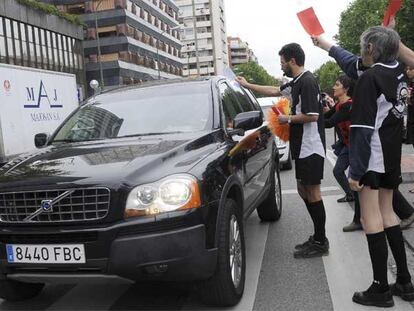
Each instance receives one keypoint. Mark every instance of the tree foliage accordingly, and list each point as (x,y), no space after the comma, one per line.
(327,75)
(254,73)
(362,14)
(51,9)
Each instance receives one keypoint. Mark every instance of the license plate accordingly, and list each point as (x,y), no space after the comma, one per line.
(46,253)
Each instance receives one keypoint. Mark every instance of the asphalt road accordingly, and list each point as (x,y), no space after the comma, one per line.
(274,281)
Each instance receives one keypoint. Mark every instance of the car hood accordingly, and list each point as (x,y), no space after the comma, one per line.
(129,161)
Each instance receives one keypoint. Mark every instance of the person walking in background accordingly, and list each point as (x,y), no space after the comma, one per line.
(307,142)
(339,117)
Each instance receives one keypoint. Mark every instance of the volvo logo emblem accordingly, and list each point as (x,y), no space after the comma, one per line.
(47,205)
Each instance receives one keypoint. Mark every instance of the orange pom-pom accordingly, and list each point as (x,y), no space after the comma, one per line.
(279,130)
(246,143)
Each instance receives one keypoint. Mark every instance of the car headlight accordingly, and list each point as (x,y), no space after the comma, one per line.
(176,192)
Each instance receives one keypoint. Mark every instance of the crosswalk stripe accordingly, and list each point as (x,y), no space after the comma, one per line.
(91,296)
(348,266)
(323,189)
(255,238)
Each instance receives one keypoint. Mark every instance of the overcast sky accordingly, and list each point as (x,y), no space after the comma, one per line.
(269,24)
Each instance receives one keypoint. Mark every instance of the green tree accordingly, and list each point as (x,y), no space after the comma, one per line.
(362,14)
(254,73)
(327,75)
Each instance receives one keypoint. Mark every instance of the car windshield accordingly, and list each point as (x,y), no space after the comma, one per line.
(143,111)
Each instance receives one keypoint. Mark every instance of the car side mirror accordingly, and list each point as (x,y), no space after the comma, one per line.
(248,120)
(40,140)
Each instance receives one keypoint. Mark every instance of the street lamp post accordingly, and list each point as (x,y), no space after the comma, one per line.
(99,44)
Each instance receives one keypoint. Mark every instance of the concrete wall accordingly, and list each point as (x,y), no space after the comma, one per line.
(14,10)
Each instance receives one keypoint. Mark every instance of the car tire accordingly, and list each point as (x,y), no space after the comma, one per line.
(288,164)
(271,208)
(12,290)
(225,288)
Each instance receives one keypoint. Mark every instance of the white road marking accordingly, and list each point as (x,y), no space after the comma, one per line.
(255,233)
(331,156)
(323,189)
(255,236)
(97,296)
(348,266)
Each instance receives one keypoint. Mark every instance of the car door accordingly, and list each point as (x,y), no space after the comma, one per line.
(252,147)
(258,157)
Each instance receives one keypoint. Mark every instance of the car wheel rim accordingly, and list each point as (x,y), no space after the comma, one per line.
(236,258)
(277,190)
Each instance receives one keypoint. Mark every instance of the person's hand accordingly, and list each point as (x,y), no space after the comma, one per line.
(355,185)
(242,81)
(392,23)
(330,101)
(283,119)
(322,43)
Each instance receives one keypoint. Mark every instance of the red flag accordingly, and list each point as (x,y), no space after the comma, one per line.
(310,22)
(393,7)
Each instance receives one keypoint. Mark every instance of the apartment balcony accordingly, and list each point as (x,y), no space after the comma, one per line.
(203,71)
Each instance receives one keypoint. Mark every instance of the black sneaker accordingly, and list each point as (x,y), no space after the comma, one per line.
(313,249)
(405,291)
(372,297)
(305,244)
(346,198)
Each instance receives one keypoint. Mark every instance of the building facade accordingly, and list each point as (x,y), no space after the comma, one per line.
(128,41)
(203,36)
(32,38)
(239,52)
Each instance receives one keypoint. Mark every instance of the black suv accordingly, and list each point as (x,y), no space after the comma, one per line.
(148,182)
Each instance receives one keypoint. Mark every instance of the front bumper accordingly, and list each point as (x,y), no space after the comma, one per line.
(177,254)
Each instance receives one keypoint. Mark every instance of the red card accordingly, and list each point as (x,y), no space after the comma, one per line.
(276,111)
(393,7)
(310,22)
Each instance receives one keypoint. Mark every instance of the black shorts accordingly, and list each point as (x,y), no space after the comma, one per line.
(309,170)
(389,180)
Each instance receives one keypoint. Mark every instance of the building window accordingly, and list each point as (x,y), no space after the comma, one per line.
(55,51)
(65,52)
(45,58)
(49,50)
(25,52)
(38,47)
(31,46)
(3,53)
(17,43)
(70,52)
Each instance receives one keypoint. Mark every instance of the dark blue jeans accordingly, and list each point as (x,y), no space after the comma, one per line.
(340,167)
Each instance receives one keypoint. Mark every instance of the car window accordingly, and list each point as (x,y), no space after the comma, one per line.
(230,104)
(142,111)
(242,98)
(253,100)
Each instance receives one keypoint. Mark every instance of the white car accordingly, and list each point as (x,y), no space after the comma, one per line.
(285,157)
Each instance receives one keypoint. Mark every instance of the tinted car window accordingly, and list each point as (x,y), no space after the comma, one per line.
(162,109)
(242,98)
(230,105)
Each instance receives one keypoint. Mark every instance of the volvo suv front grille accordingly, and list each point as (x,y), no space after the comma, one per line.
(48,206)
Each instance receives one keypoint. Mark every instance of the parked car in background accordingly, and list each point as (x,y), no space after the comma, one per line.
(149,182)
(282,146)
